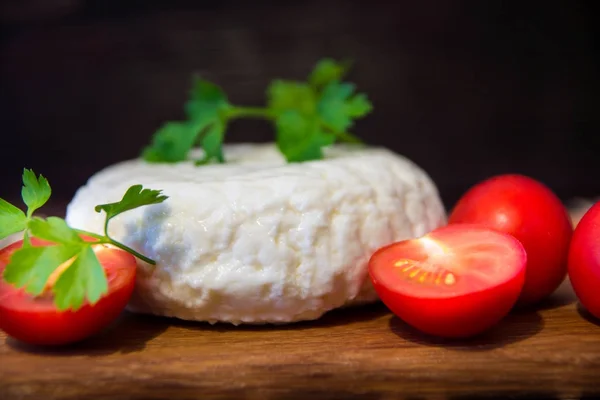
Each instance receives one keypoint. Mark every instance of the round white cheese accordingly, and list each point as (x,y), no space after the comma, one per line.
(259,240)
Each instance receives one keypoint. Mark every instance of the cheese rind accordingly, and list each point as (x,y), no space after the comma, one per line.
(258,240)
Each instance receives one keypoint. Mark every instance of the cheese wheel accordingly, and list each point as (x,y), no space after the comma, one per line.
(258,240)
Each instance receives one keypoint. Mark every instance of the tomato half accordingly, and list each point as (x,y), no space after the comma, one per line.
(532,213)
(36,320)
(584,260)
(456,281)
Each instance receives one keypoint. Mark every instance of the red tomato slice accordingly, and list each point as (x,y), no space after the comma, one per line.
(36,320)
(584,260)
(456,281)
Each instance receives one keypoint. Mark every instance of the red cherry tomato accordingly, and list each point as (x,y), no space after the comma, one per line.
(456,281)
(531,212)
(584,260)
(36,320)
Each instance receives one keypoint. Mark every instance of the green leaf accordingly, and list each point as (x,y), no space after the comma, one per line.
(326,71)
(171,143)
(35,192)
(83,280)
(12,219)
(327,108)
(55,230)
(212,143)
(136,196)
(174,140)
(206,101)
(288,95)
(358,106)
(338,106)
(206,110)
(300,138)
(30,267)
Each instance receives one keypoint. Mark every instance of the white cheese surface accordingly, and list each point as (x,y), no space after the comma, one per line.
(257,240)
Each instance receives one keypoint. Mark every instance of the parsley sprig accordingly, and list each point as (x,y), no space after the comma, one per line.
(31,267)
(307,116)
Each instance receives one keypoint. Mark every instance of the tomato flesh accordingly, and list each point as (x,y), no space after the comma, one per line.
(534,215)
(584,261)
(456,281)
(36,320)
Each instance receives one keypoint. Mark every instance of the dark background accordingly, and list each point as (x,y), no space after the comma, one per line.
(466,89)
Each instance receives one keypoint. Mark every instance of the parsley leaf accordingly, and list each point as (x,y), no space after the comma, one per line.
(83,279)
(54,229)
(326,71)
(136,196)
(212,143)
(205,111)
(287,95)
(30,267)
(338,106)
(358,106)
(300,138)
(12,219)
(207,100)
(36,191)
(171,143)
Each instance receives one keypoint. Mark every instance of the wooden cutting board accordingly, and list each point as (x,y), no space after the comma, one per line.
(552,351)
(366,352)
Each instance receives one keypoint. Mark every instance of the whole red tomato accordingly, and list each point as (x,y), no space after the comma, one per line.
(528,210)
(584,260)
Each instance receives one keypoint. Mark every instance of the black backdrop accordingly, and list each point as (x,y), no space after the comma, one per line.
(466,89)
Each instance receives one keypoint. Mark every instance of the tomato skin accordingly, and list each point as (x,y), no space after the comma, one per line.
(459,317)
(454,312)
(37,321)
(532,213)
(584,261)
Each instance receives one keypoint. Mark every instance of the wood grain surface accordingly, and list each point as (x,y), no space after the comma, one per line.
(552,351)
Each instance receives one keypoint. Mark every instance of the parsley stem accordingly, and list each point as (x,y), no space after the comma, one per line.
(343,135)
(265,113)
(347,137)
(249,112)
(130,250)
(102,239)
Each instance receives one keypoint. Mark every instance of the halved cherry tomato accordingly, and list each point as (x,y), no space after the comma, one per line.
(456,281)
(584,260)
(532,213)
(36,320)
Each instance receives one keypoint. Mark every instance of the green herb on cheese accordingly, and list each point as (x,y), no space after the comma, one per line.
(307,116)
